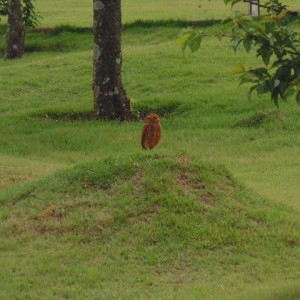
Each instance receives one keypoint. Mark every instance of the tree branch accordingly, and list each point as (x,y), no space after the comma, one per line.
(253,37)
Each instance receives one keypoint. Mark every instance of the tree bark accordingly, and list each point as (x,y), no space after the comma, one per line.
(15,39)
(110,100)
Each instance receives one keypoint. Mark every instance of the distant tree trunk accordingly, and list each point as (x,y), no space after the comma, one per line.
(15,31)
(110,100)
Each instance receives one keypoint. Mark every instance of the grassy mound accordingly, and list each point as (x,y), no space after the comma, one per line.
(132,225)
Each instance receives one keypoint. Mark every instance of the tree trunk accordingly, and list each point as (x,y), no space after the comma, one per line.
(110,100)
(15,31)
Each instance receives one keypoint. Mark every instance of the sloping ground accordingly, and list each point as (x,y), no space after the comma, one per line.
(142,226)
(15,170)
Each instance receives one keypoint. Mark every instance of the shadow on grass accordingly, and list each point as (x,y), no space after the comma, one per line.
(127,26)
(65,116)
(261,118)
(170,23)
(61,28)
(55,47)
(133,25)
(39,39)
(164,110)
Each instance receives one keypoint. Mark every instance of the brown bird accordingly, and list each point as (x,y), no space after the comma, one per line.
(151,132)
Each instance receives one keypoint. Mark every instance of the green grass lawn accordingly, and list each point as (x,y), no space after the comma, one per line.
(211,213)
(79,12)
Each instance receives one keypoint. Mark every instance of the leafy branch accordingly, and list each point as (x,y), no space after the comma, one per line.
(275,41)
(30,18)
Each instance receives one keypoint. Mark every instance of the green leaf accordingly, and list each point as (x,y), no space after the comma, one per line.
(246,19)
(276,83)
(296,81)
(274,97)
(190,37)
(184,36)
(281,15)
(259,27)
(236,42)
(266,55)
(194,43)
(249,94)
(260,72)
(247,44)
(227,25)
(238,69)
(262,87)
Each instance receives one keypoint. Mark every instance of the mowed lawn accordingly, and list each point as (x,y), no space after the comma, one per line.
(79,13)
(55,165)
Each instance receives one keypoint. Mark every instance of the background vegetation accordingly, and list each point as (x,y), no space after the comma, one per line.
(85,213)
(79,13)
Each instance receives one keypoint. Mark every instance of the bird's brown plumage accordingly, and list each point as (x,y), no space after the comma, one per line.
(151,132)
